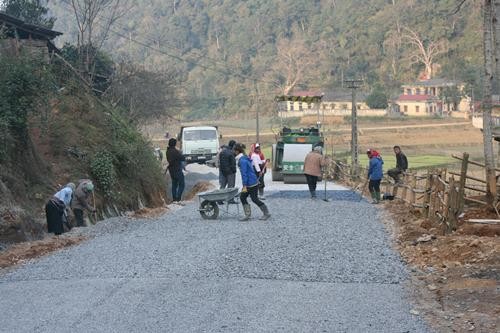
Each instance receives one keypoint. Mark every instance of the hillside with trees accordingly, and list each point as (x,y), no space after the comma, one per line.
(56,128)
(229,54)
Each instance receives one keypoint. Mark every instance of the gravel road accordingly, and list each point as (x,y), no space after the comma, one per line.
(315,266)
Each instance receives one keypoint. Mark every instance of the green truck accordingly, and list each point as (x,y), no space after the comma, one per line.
(289,152)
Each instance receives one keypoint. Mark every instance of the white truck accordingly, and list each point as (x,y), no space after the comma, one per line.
(199,143)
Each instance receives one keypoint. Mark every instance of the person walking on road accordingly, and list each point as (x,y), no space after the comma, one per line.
(401,165)
(175,166)
(313,163)
(80,201)
(56,209)
(250,184)
(375,174)
(227,166)
(259,164)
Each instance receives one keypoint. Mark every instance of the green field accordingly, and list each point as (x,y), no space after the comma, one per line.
(414,161)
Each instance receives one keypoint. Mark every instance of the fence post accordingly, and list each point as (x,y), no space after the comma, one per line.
(461,186)
(434,194)
(447,212)
(427,194)
(412,189)
(405,186)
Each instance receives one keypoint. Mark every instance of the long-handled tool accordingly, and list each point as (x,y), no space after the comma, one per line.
(95,210)
(324,179)
(361,189)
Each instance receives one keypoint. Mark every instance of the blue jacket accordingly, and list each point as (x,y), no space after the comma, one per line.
(248,176)
(375,168)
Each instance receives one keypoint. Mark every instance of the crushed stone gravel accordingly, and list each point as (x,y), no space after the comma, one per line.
(314,266)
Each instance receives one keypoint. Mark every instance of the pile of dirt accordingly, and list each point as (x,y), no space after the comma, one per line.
(149,213)
(455,275)
(20,253)
(198,188)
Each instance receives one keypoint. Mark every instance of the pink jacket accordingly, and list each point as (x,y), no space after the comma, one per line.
(313,163)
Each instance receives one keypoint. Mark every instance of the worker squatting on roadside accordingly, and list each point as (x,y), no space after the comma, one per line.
(250,184)
(57,207)
(375,174)
(313,163)
(401,165)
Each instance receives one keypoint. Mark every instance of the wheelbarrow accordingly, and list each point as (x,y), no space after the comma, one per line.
(210,201)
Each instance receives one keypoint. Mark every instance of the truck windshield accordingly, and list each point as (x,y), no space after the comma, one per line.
(200,135)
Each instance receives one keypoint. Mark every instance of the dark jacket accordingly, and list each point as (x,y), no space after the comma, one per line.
(248,176)
(401,161)
(174,158)
(227,162)
(375,168)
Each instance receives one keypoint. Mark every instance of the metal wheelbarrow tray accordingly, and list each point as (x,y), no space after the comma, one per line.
(209,202)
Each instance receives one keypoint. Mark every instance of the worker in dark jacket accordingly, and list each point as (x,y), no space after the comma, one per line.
(250,184)
(375,174)
(175,166)
(80,200)
(401,165)
(227,165)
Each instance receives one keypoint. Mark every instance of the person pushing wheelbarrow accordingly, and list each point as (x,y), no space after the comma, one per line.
(250,184)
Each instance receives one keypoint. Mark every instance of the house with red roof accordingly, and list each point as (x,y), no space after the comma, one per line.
(434,97)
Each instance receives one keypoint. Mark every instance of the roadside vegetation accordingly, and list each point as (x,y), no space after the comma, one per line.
(53,131)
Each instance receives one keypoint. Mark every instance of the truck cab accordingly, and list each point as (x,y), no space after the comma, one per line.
(199,143)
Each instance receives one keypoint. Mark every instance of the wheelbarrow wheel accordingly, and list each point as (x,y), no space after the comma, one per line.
(209,210)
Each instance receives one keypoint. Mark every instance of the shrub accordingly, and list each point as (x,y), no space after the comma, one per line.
(103,171)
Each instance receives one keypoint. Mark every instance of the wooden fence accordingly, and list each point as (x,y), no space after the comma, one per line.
(438,193)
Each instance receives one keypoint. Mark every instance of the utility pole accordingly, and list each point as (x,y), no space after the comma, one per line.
(353,85)
(257,106)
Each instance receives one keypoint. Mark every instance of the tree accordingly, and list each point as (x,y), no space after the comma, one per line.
(103,66)
(489,160)
(377,99)
(144,95)
(496,20)
(94,20)
(30,11)
(424,51)
(451,96)
(293,65)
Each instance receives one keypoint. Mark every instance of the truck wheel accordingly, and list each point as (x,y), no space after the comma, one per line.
(209,210)
(277,176)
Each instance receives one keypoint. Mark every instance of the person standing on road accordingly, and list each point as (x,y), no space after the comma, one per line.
(55,209)
(80,201)
(401,165)
(175,166)
(227,166)
(259,165)
(313,163)
(375,174)
(250,184)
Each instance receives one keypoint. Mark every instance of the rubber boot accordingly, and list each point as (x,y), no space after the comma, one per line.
(265,211)
(247,211)
(377,196)
(313,194)
(374,198)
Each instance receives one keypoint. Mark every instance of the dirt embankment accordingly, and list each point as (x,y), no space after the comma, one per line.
(455,277)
